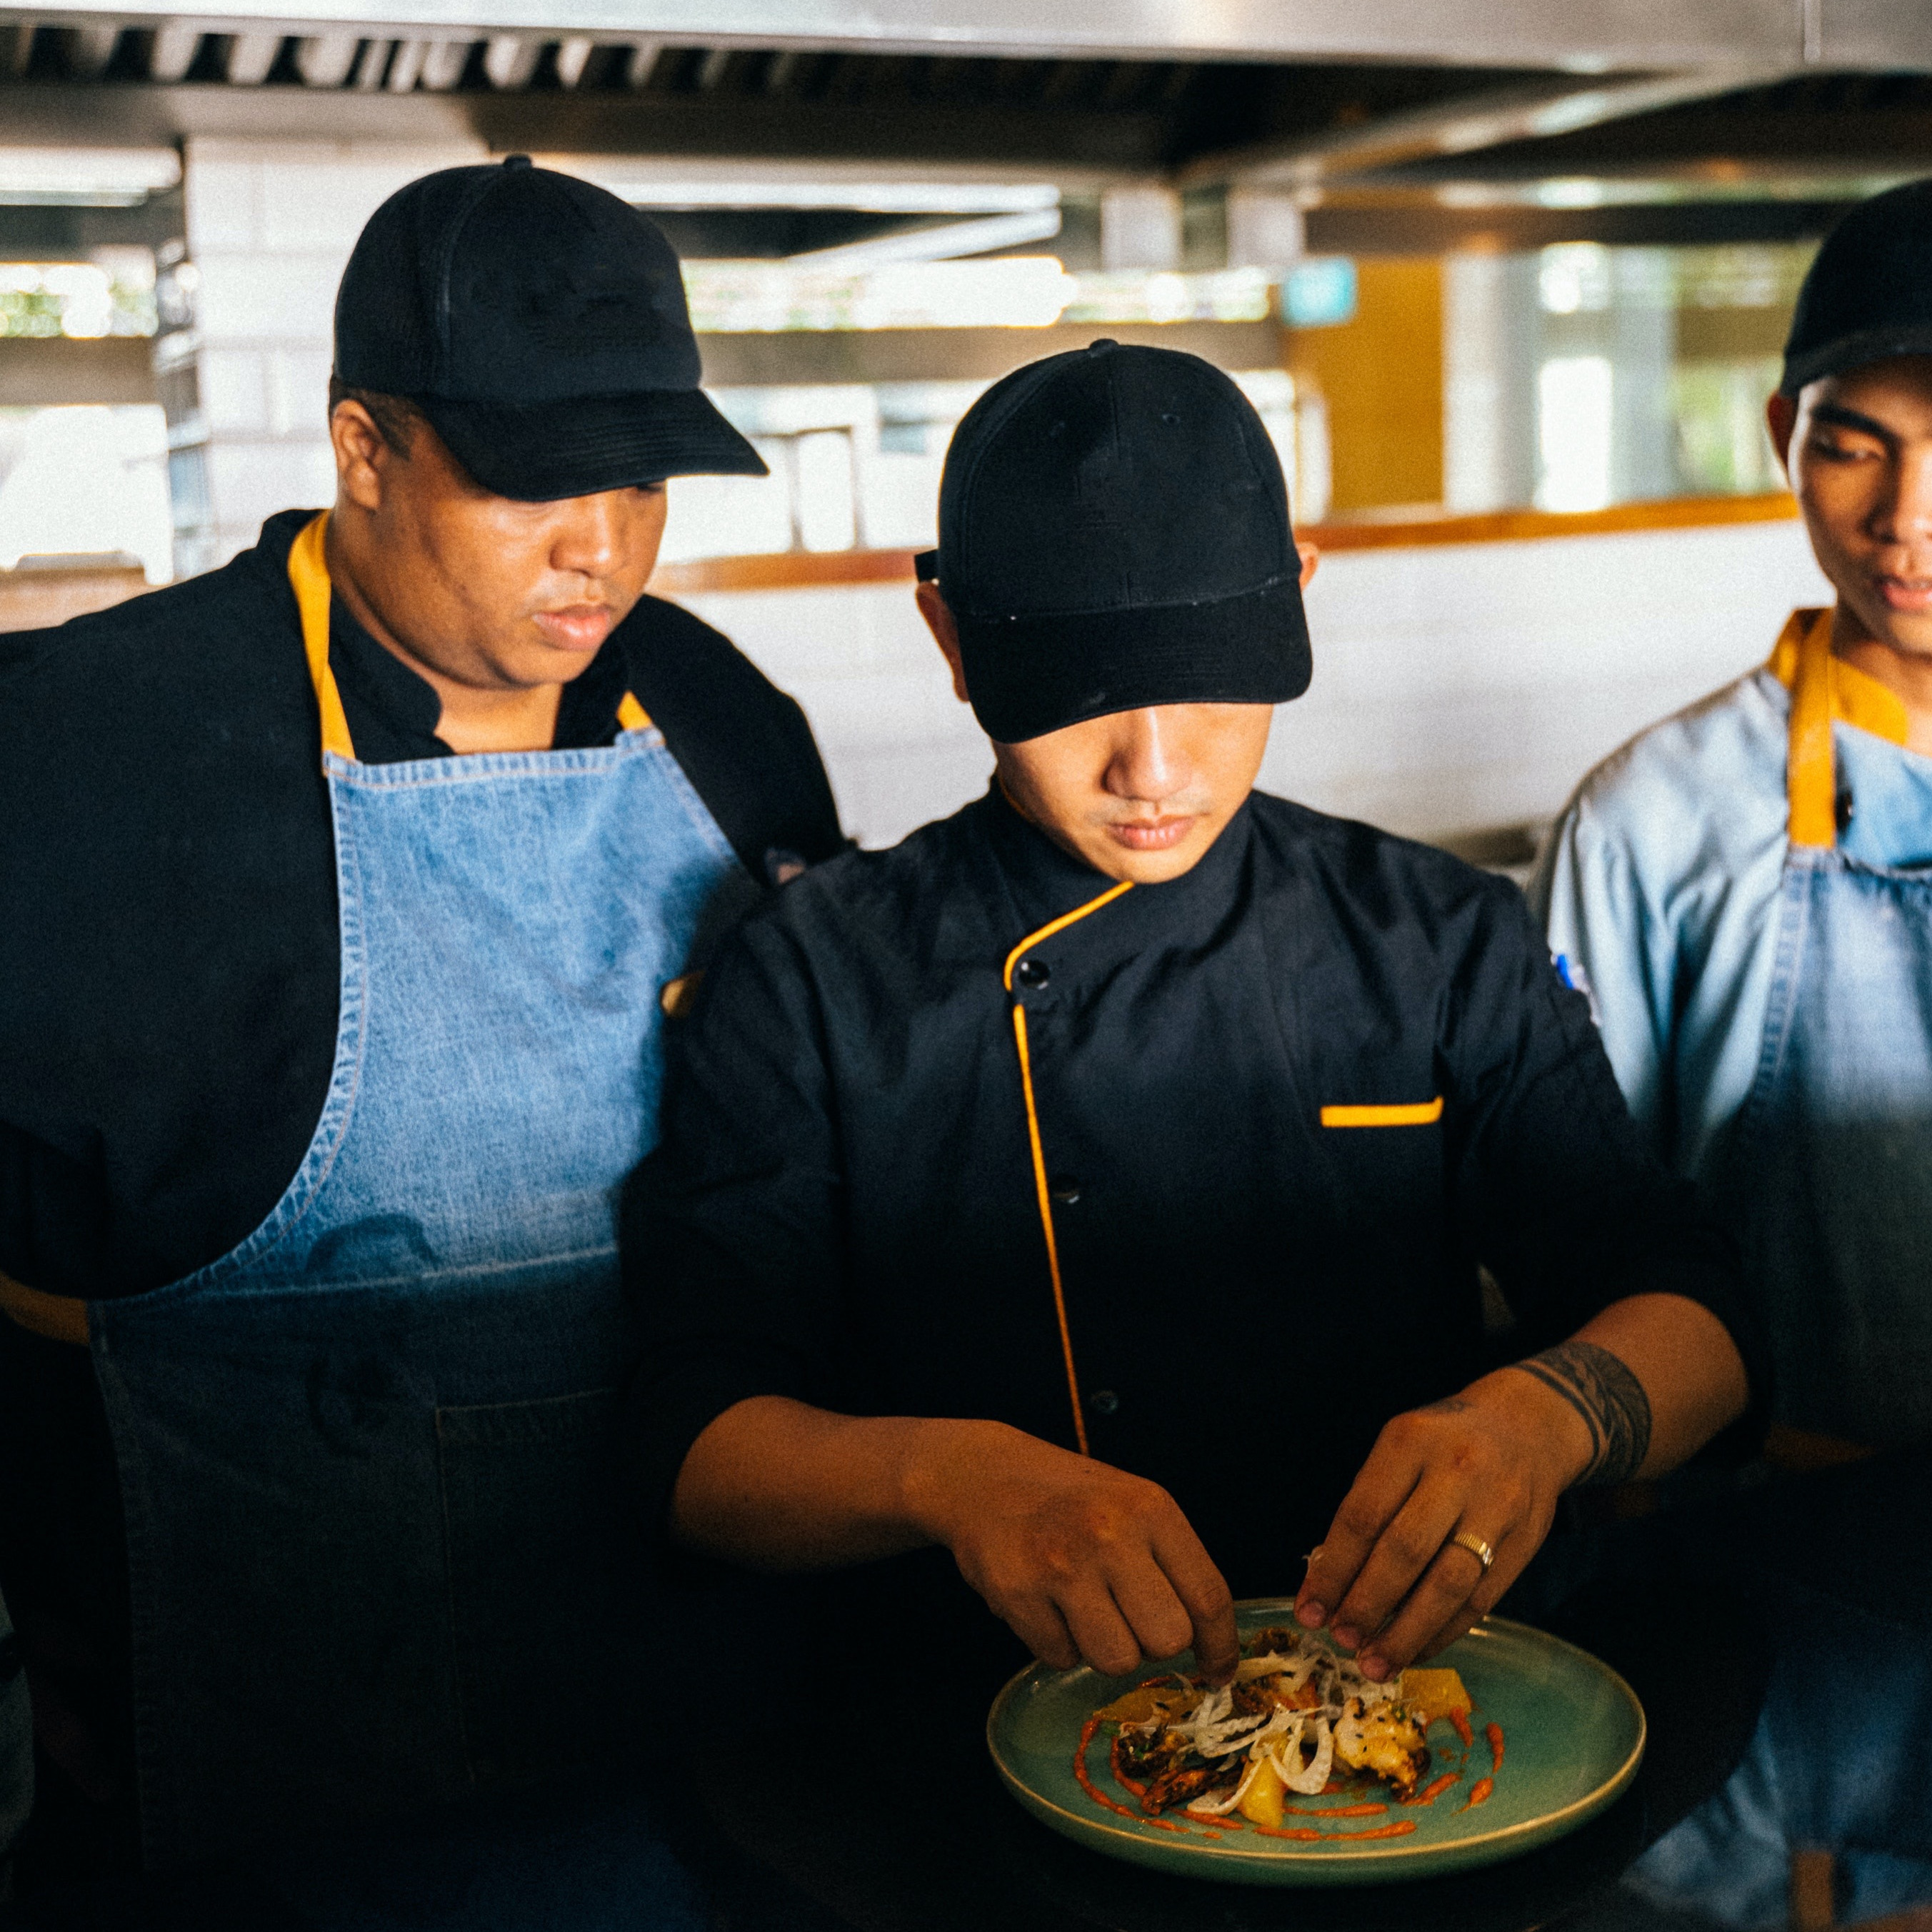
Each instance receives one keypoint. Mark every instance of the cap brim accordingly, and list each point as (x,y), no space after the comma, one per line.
(1854,352)
(1027,676)
(544,451)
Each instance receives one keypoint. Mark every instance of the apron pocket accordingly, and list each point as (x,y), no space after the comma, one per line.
(546,1600)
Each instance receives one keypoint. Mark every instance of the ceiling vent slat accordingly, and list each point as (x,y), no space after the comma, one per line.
(89,49)
(374,64)
(510,59)
(250,56)
(324,60)
(406,70)
(173,52)
(442,64)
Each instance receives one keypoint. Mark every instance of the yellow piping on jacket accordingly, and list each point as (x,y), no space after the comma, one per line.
(1039,1154)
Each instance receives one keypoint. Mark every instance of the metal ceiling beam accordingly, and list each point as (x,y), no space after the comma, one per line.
(1462,126)
(1609,35)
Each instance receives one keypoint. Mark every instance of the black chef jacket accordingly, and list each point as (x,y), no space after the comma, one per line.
(169,968)
(844,1207)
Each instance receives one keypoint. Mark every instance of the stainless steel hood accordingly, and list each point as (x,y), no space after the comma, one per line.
(1591,36)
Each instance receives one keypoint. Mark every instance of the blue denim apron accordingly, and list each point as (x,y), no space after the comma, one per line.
(1827,1177)
(379,1556)
(1828,1174)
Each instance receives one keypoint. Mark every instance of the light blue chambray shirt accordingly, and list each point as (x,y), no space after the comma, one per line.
(1658,889)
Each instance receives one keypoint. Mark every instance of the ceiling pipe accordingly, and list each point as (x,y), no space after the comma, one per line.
(1462,126)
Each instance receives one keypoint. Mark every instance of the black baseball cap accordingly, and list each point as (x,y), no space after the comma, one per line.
(1868,292)
(540,324)
(1114,533)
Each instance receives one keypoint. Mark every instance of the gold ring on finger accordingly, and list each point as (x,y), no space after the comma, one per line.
(1467,1539)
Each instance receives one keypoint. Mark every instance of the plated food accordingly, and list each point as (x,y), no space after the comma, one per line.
(1522,1738)
(1299,1719)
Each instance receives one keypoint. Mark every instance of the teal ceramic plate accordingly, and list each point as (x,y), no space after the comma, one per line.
(1573,1735)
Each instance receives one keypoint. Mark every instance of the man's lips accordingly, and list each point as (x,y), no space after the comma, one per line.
(577,627)
(1151,834)
(1907,594)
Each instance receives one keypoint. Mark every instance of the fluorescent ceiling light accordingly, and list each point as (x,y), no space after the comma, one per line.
(648,188)
(1013,291)
(86,177)
(937,244)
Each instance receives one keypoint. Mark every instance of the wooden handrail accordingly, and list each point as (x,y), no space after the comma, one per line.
(786,570)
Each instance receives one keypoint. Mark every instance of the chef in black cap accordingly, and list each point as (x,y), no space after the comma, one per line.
(1095,1186)
(1746,890)
(346,888)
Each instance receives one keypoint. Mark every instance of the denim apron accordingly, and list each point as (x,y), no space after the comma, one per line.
(379,1557)
(1828,1176)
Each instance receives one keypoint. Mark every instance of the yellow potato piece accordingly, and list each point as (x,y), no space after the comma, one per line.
(1260,1803)
(1431,1694)
(1157,1700)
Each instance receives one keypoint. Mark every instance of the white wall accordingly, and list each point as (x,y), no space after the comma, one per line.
(1455,689)
(270,225)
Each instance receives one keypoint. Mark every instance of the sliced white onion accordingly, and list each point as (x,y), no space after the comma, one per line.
(1273,1665)
(1310,1780)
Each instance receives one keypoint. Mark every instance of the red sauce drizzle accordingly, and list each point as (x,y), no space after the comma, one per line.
(1435,1790)
(1494,1732)
(1306,1835)
(1336,1811)
(1460,1719)
(1479,1792)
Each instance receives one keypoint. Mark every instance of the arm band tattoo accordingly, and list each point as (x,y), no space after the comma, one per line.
(1609,1398)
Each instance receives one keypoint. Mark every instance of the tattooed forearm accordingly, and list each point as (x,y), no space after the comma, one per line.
(1609,1398)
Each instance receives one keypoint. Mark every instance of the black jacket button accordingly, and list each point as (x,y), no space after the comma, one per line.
(1032,974)
(1103,1402)
(1064,1189)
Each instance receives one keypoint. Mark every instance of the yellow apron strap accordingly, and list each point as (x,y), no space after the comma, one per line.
(1810,773)
(632,716)
(308,572)
(55,1318)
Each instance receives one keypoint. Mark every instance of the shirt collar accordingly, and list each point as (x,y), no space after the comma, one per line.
(393,713)
(1857,698)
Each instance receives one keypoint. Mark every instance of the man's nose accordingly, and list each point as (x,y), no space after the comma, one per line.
(590,539)
(1149,761)
(1906,515)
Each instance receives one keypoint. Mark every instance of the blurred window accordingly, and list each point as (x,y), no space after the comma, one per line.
(1573,426)
(88,481)
(859,465)
(112,295)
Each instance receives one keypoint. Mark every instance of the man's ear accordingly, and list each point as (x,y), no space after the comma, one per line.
(933,607)
(1310,558)
(361,455)
(1780,416)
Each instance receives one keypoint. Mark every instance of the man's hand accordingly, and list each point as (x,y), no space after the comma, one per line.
(1490,1462)
(1642,1386)
(1085,1561)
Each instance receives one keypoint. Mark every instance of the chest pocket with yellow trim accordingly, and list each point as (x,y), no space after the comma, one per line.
(1392,1184)
(1401,1114)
